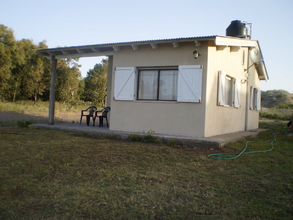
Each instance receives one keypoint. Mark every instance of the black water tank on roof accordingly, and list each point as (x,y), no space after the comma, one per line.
(237,29)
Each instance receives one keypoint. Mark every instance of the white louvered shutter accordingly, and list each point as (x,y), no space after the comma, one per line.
(251,98)
(124,83)
(236,94)
(258,99)
(189,83)
(221,88)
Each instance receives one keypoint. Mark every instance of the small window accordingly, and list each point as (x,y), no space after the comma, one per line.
(228,91)
(255,96)
(157,84)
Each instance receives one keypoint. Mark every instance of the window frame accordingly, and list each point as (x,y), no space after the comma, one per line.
(188,85)
(228,90)
(158,70)
(234,91)
(255,99)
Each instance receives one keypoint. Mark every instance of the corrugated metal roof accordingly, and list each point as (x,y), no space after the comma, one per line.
(132,42)
(107,49)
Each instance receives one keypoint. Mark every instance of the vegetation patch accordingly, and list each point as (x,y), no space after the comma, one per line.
(24,124)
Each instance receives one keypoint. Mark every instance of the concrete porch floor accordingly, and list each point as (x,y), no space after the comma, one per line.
(209,142)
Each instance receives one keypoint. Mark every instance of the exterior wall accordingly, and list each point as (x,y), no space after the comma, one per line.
(203,119)
(173,118)
(220,119)
(252,115)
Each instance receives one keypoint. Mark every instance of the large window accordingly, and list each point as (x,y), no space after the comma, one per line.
(157,85)
(181,84)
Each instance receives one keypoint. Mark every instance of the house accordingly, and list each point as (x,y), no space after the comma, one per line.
(196,87)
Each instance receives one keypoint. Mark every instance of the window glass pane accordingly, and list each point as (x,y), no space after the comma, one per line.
(148,81)
(168,85)
(228,91)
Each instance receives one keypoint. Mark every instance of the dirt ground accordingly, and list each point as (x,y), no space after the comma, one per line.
(39,117)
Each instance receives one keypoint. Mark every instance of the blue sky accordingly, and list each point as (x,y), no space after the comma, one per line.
(74,23)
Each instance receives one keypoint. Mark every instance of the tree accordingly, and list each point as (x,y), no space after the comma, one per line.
(67,85)
(95,88)
(26,81)
(7,49)
(46,73)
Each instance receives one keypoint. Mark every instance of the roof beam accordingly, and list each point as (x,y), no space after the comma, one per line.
(134,47)
(116,48)
(154,46)
(235,48)
(197,43)
(96,49)
(175,44)
(221,47)
(64,56)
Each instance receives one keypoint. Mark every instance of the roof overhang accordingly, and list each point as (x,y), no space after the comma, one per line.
(241,42)
(261,67)
(109,48)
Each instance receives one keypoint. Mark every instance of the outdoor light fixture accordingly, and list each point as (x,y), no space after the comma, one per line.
(196,54)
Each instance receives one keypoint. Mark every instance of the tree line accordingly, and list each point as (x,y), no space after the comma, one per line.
(25,75)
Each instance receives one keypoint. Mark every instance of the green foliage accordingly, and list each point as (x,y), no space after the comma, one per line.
(274,113)
(25,75)
(95,83)
(148,138)
(67,83)
(7,48)
(23,124)
(145,138)
(173,142)
(135,137)
(284,106)
(276,98)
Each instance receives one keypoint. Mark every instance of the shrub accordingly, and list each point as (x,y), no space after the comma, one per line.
(173,142)
(278,114)
(148,139)
(135,137)
(23,124)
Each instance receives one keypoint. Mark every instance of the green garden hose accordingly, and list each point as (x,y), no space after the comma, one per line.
(218,156)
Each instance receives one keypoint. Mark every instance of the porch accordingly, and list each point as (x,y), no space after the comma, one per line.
(96,131)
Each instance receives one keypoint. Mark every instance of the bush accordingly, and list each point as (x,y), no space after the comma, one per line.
(135,137)
(148,138)
(173,142)
(23,124)
(278,114)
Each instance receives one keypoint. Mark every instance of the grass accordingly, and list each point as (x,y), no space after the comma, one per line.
(40,107)
(50,174)
(274,113)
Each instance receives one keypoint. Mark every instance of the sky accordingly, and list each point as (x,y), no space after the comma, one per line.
(74,23)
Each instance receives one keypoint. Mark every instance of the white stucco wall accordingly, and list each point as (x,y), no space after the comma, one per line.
(252,115)
(220,119)
(186,119)
(203,119)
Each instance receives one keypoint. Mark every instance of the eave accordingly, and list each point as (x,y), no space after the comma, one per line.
(109,48)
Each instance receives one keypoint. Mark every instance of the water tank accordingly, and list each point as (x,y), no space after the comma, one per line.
(237,29)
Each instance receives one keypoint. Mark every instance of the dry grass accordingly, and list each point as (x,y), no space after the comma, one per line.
(48,174)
